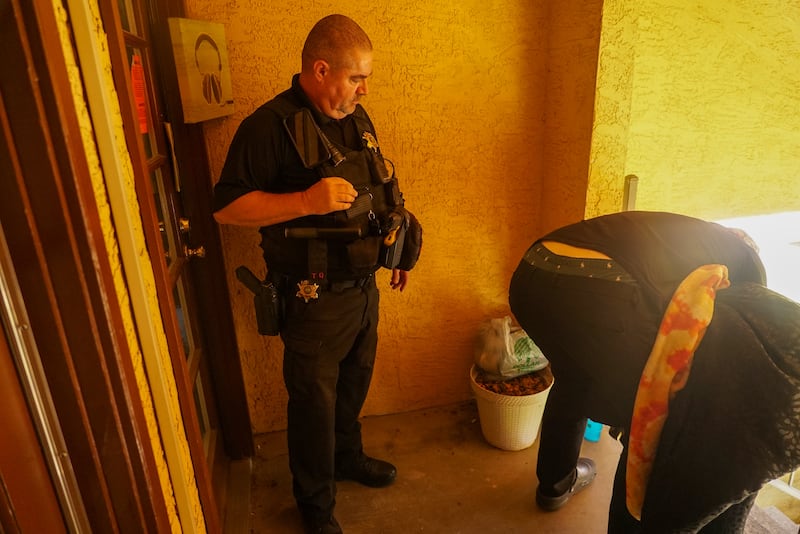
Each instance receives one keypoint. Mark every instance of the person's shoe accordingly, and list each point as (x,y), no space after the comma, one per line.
(368,471)
(586,471)
(316,524)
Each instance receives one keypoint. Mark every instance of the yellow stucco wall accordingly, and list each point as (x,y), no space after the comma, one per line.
(699,100)
(570,81)
(480,127)
(503,124)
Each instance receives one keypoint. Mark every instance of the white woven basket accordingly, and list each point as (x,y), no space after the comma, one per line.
(509,422)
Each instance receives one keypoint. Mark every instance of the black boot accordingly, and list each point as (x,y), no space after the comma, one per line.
(368,471)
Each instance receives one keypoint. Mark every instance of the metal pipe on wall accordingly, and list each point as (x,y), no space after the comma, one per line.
(629,194)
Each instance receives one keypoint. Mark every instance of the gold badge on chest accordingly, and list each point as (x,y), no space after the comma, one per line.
(370,141)
(307,290)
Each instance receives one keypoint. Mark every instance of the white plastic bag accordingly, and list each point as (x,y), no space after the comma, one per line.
(505,351)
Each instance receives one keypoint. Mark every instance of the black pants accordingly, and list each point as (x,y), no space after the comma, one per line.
(330,345)
(597,333)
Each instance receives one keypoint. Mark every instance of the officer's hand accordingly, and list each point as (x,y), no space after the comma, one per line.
(329,194)
(399,279)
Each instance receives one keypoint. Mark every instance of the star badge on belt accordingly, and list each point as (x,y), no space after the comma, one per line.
(307,290)
(370,141)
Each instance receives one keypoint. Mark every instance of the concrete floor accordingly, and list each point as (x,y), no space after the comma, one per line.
(449,481)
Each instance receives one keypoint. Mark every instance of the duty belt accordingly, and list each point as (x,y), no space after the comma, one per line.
(309,289)
(347,284)
(543,258)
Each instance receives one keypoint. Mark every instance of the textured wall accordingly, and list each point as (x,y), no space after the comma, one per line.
(700,101)
(571,59)
(459,96)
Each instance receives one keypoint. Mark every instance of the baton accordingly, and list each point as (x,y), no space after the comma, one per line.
(323,233)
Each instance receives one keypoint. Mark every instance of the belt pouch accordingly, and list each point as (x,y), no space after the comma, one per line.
(361,205)
(393,195)
(363,253)
(390,255)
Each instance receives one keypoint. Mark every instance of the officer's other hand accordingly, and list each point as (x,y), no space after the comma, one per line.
(399,279)
(329,194)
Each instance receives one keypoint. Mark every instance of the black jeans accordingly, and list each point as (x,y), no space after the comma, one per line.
(597,334)
(330,345)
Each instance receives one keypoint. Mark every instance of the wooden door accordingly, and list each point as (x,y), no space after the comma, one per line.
(175,214)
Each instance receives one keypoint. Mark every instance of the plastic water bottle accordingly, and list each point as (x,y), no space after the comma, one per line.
(593,430)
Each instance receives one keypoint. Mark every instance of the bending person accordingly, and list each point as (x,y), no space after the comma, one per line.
(592,296)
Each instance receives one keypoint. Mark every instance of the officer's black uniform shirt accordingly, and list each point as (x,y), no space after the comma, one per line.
(261,157)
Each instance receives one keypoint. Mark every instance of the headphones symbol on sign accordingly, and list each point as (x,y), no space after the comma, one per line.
(212,87)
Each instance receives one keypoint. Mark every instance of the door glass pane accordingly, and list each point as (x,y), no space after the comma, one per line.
(165,222)
(181,309)
(137,62)
(127,16)
(202,410)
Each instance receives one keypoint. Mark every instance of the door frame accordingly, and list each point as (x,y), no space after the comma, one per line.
(31,498)
(54,235)
(59,253)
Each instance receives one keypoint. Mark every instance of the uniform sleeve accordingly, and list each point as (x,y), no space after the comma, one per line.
(254,158)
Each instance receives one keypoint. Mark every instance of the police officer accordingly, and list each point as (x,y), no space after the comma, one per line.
(307,169)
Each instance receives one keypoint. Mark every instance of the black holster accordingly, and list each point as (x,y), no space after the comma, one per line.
(266,300)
